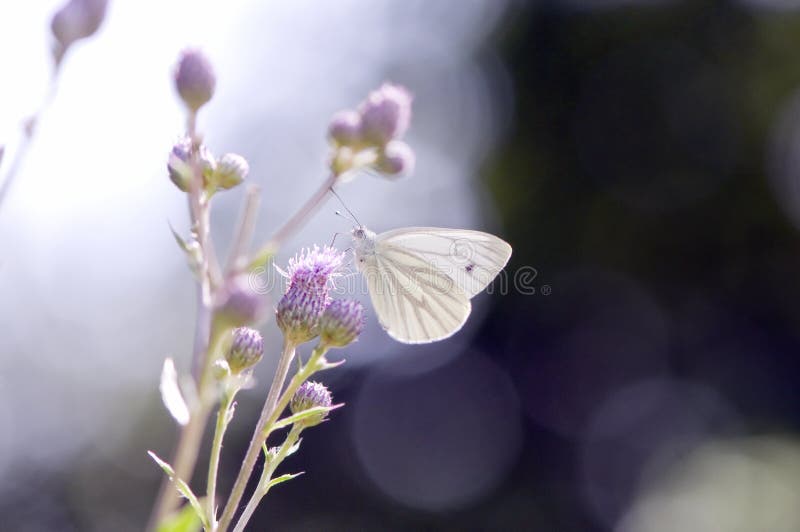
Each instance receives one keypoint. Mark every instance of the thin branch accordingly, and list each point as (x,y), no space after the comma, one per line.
(237,257)
(296,221)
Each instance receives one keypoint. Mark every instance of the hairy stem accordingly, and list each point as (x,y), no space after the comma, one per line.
(257,440)
(213,461)
(263,483)
(264,428)
(237,258)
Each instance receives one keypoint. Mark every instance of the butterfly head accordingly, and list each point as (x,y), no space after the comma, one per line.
(361,234)
(363,243)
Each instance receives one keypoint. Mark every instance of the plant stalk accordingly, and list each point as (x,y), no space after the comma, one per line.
(257,440)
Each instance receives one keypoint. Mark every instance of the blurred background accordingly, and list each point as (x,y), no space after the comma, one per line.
(636,370)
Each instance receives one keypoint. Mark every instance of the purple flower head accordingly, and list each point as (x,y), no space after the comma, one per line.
(396,159)
(310,274)
(341,323)
(314,268)
(385,114)
(195,79)
(309,395)
(246,349)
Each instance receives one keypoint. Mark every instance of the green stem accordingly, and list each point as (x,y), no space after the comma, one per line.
(188,446)
(266,476)
(269,415)
(216,448)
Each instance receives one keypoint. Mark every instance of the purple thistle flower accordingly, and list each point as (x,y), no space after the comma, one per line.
(301,307)
(246,349)
(309,395)
(195,79)
(313,268)
(385,114)
(341,323)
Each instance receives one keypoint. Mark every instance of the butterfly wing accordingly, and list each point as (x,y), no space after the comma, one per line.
(471,258)
(415,302)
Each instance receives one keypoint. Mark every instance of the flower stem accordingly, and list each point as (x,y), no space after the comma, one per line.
(206,344)
(28,132)
(257,440)
(216,448)
(268,418)
(188,446)
(295,222)
(266,476)
(237,259)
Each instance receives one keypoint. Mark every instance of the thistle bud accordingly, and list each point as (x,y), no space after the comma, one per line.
(345,128)
(385,114)
(231,171)
(238,303)
(195,79)
(341,323)
(246,349)
(179,164)
(310,395)
(396,159)
(298,315)
(77,19)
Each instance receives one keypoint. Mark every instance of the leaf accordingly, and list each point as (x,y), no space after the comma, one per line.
(191,249)
(304,414)
(283,478)
(162,464)
(182,487)
(179,239)
(171,393)
(294,448)
(185,520)
(270,453)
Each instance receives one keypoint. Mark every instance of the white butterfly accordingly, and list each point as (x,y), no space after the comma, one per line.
(421,279)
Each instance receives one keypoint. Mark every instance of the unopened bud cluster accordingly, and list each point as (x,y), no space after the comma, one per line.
(216,174)
(188,162)
(309,395)
(371,134)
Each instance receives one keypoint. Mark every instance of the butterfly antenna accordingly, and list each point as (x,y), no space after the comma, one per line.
(345,206)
